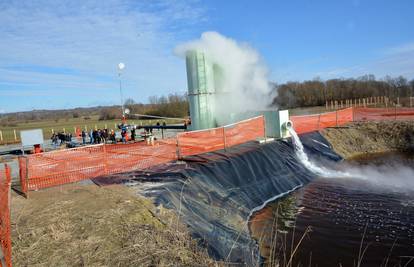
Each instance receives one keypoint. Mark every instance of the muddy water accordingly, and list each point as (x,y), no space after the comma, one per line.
(341,222)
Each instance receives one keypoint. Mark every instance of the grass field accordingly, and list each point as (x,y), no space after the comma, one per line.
(7,135)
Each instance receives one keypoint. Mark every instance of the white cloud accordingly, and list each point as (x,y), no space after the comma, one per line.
(400,49)
(92,37)
(393,61)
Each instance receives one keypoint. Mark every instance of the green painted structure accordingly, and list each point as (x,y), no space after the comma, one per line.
(201,90)
(205,85)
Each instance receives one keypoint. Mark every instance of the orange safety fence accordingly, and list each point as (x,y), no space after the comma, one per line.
(381,114)
(5,237)
(197,142)
(60,167)
(311,123)
(315,122)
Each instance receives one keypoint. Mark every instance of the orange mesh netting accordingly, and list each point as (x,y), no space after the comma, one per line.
(5,238)
(197,142)
(71,165)
(311,123)
(239,133)
(59,167)
(380,114)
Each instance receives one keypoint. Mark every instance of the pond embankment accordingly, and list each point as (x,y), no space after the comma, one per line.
(87,225)
(362,138)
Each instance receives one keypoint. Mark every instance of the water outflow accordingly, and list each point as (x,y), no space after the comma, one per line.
(304,159)
(402,176)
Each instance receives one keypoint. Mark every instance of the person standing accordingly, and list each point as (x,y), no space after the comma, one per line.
(83,137)
(113,138)
(91,137)
(123,134)
(133,134)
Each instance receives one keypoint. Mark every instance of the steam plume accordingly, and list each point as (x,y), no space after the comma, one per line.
(244,74)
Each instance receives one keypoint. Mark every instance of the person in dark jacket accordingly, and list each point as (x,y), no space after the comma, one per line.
(83,137)
(133,134)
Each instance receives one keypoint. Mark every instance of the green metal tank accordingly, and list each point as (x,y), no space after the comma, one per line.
(201,90)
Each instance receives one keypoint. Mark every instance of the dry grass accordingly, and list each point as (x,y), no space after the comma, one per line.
(91,226)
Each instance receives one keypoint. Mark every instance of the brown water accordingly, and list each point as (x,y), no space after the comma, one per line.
(342,221)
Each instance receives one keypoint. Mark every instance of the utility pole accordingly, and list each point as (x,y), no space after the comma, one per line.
(121,66)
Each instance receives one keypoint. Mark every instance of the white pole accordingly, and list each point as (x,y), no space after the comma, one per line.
(121,66)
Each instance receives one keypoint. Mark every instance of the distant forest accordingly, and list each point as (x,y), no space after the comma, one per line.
(317,92)
(289,95)
(173,105)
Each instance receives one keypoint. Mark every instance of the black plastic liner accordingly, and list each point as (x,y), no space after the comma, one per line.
(216,193)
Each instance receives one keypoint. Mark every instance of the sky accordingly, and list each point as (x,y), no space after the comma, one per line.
(64,54)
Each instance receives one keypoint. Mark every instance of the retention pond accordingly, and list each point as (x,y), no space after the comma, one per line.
(363,219)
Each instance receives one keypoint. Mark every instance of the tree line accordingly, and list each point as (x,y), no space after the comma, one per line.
(172,105)
(316,92)
(289,95)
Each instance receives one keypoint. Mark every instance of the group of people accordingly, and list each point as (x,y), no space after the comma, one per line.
(60,138)
(98,136)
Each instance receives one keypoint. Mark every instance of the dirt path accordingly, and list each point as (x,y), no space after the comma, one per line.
(86,225)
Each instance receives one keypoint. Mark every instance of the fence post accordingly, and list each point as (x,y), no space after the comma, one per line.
(224,138)
(5,256)
(353,114)
(395,112)
(105,160)
(336,113)
(177,151)
(1,136)
(319,121)
(8,177)
(15,135)
(24,175)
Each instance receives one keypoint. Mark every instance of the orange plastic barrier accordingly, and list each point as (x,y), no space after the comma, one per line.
(381,114)
(311,123)
(59,167)
(197,142)
(5,237)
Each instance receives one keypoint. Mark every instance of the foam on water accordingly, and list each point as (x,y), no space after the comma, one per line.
(397,177)
(304,159)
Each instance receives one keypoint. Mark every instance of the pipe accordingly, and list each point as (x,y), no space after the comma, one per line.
(287,125)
